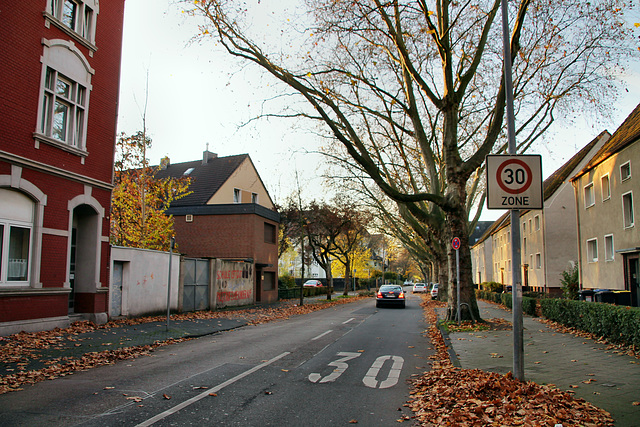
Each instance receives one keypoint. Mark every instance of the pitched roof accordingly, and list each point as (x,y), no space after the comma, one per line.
(206,178)
(626,134)
(555,180)
(550,185)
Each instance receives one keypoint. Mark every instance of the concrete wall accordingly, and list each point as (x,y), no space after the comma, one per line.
(144,280)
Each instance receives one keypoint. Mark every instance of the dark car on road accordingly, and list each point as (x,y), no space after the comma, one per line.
(390,295)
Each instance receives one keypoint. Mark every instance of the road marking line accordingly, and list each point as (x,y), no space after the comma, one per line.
(348,320)
(206,393)
(322,334)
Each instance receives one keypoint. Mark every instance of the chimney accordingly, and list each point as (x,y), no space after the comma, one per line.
(206,155)
(165,162)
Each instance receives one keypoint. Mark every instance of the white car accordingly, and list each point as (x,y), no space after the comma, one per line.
(434,291)
(419,287)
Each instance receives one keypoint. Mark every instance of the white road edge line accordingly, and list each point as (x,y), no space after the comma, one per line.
(348,320)
(206,393)
(322,334)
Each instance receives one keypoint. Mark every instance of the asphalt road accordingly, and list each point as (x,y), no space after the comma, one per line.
(331,367)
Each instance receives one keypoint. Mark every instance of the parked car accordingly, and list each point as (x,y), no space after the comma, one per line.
(312,283)
(434,291)
(419,287)
(390,295)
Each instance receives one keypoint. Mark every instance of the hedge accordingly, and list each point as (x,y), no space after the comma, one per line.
(617,323)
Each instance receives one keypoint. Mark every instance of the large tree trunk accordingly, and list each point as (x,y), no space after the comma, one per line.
(469,306)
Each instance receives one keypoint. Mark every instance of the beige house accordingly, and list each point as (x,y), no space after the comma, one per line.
(548,237)
(609,241)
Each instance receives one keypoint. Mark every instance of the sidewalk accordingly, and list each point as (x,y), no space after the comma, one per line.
(74,346)
(608,380)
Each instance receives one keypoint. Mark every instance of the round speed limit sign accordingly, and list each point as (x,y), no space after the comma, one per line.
(514,176)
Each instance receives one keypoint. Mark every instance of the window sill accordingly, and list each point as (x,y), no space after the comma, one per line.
(59,144)
(68,31)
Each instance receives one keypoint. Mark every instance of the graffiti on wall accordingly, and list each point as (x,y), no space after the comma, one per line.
(234,282)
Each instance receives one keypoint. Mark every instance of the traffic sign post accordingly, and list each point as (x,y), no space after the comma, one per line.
(514,182)
(455,244)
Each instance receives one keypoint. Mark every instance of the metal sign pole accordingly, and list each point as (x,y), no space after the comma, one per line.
(171,243)
(458,281)
(516,285)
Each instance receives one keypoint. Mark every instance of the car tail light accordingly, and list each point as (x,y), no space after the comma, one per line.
(401,295)
(379,294)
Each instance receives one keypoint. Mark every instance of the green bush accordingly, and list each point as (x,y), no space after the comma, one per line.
(287,281)
(491,286)
(618,324)
(529,306)
(570,283)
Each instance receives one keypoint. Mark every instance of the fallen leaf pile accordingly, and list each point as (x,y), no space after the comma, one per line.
(470,397)
(23,347)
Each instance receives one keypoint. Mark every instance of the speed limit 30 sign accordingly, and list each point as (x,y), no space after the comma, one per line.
(514,182)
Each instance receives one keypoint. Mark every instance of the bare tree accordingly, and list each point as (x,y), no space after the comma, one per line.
(413,93)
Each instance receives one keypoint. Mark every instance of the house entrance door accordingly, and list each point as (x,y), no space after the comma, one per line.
(632,277)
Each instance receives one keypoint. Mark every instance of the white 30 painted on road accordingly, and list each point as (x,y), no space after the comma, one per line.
(370,378)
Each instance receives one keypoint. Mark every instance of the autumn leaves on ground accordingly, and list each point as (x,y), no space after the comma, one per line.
(443,396)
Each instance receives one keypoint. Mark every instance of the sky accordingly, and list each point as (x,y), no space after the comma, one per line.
(197,95)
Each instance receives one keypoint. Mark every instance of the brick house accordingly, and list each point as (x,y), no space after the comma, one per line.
(59,83)
(229,216)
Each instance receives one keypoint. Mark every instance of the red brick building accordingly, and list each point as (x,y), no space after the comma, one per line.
(59,81)
(229,215)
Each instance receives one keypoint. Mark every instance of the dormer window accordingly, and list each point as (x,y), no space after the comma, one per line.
(188,171)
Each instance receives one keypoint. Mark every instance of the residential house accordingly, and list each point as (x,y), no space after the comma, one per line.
(548,237)
(609,241)
(229,216)
(59,82)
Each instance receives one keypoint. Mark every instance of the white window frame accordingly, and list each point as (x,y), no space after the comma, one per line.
(538,261)
(254,198)
(592,250)
(609,251)
(625,166)
(237,195)
(62,61)
(5,237)
(628,211)
(605,195)
(83,30)
(589,195)
(536,222)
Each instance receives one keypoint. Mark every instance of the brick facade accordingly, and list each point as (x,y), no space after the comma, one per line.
(68,183)
(231,236)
